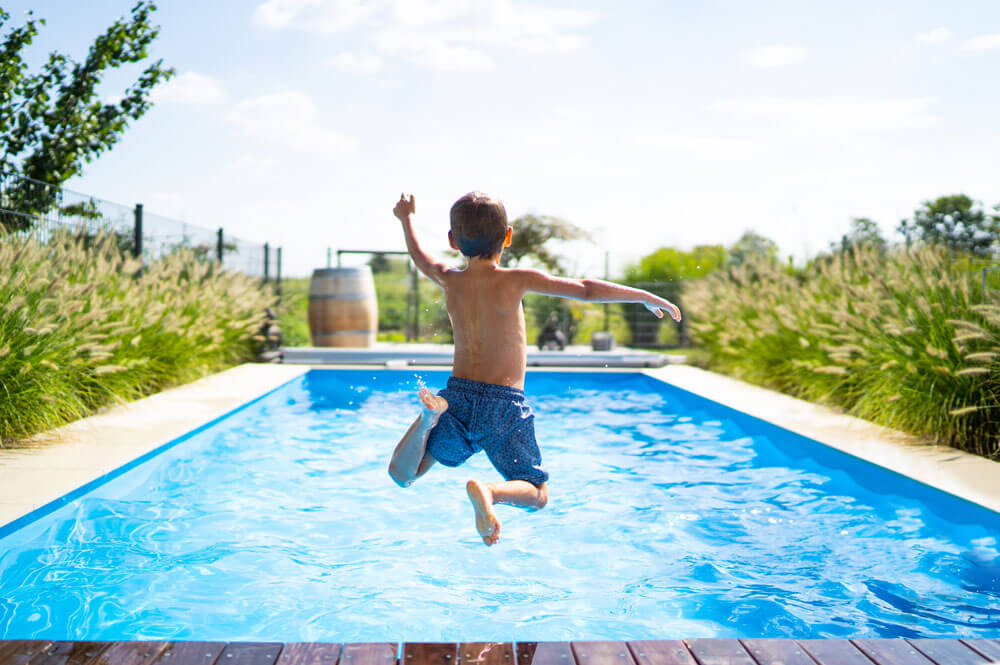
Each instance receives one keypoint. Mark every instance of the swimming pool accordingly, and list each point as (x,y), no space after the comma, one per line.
(669,516)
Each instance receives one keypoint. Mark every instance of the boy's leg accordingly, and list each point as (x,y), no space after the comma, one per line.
(511,492)
(410,459)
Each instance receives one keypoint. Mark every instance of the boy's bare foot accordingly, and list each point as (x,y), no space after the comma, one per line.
(486,521)
(433,405)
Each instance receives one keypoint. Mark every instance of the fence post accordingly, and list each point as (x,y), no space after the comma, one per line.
(328,261)
(267,256)
(277,280)
(416,304)
(137,240)
(219,245)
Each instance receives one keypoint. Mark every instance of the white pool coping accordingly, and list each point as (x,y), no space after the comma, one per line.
(63,460)
(962,474)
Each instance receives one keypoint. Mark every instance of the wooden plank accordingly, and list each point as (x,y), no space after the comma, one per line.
(602,653)
(717,651)
(131,653)
(486,653)
(309,653)
(545,653)
(430,653)
(368,653)
(21,652)
(250,653)
(772,651)
(947,652)
(892,652)
(988,648)
(834,652)
(191,653)
(70,653)
(661,652)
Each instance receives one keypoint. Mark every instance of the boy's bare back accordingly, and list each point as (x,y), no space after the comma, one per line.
(484,305)
(487,320)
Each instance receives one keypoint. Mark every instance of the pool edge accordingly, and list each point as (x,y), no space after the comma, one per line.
(967,476)
(75,458)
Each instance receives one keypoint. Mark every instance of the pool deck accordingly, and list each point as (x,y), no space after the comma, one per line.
(646,652)
(395,355)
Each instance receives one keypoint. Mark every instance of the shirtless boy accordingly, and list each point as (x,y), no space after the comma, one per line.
(483,406)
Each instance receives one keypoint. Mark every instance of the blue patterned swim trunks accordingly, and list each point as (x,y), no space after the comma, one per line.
(492,418)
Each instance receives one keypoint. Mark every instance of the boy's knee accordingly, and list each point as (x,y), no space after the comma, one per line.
(543,495)
(398,476)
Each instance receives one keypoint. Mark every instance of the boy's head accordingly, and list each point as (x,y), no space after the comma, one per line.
(478,225)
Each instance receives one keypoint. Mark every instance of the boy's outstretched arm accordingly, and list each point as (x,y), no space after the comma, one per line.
(595,290)
(434,269)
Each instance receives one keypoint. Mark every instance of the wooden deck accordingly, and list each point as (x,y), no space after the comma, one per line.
(668,652)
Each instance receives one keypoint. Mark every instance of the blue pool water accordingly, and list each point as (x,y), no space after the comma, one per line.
(670,516)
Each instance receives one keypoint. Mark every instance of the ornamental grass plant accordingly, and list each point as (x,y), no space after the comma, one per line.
(82,328)
(906,339)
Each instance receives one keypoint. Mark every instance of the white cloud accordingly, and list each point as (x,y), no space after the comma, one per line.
(701,148)
(982,43)
(440,34)
(356,63)
(935,36)
(323,16)
(432,52)
(288,119)
(190,88)
(834,116)
(773,56)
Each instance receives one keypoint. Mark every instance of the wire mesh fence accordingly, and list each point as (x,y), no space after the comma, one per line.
(37,209)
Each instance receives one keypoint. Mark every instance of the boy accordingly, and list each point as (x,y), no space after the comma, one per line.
(483,407)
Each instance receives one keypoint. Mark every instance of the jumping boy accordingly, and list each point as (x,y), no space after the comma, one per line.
(483,406)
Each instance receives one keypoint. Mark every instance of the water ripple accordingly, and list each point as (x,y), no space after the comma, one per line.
(668,516)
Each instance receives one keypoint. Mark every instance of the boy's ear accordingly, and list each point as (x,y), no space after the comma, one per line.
(451,241)
(510,234)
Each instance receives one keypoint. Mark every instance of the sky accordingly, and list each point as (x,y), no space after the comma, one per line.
(647,123)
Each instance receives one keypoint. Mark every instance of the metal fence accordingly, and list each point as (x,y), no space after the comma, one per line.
(38,209)
(411,308)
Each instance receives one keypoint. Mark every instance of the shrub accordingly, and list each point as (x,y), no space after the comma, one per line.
(80,328)
(906,339)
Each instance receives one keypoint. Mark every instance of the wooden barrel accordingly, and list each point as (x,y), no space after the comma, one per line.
(342,307)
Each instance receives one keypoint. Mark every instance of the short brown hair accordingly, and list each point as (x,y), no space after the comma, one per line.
(479,225)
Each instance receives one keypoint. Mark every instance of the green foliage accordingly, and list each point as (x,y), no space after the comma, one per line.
(956,222)
(669,264)
(864,233)
(53,121)
(293,312)
(752,245)
(906,339)
(80,329)
(532,238)
(663,272)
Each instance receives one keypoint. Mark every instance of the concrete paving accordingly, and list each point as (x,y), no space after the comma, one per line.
(60,461)
(404,355)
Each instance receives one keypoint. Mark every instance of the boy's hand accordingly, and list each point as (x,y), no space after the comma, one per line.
(405,207)
(655,304)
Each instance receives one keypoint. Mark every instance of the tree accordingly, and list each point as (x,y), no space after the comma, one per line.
(669,264)
(955,221)
(864,233)
(750,244)
(531,235)
(663,273)
(52,122)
